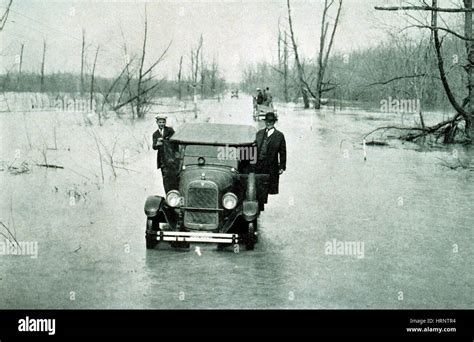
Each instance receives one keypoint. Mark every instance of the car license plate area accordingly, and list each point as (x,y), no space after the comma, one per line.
(204,220)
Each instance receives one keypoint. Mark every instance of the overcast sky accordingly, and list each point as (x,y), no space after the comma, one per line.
(236,32)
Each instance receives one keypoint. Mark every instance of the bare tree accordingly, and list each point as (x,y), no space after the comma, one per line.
(213,75)
(4,17)
(279,45)
(140,72)
(92,83)
(127,87)
(82,60)
(468,32)
(285,67)
(42,67)
(20,65)
(195,54)
(145,92)
(203,74)
(180,75)
(106,95)
(465,110)
(299,67)
(195,71)
(323,56)
(146,85)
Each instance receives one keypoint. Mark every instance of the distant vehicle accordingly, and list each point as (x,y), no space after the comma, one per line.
(216,199)
(259,111)
(234,94)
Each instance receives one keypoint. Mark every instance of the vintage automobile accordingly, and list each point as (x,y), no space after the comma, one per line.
(216,196)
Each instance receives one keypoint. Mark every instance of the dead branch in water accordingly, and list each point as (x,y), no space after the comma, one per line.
(52,166)
(376,143)
(17,170)
(456,166)
(100,156)
(110,154)
(466,112)
(12,236)
(446,128)
(114,166)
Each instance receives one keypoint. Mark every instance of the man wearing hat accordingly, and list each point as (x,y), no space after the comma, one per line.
(162,133)
(259,98)
(271,150)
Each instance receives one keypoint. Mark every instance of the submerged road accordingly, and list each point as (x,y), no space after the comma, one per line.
(394,231)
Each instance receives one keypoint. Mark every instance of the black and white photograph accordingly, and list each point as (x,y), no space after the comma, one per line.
(234,156)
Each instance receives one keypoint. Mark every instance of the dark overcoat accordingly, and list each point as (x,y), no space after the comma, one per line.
(275,157)
(160,156)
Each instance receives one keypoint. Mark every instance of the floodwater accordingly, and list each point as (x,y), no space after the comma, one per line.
(410,217)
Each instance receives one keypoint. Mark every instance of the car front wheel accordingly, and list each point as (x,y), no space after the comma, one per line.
(251,238)
(152,228)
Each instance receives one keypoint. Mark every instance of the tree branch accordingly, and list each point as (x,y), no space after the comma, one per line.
(422,8)
(395,79)
(442,72)
(440,28)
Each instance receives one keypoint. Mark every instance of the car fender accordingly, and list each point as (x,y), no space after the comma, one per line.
(153,205)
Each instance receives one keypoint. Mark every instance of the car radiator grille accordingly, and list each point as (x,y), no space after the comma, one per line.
(201,198)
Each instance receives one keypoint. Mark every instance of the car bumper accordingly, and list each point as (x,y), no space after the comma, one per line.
(205,237)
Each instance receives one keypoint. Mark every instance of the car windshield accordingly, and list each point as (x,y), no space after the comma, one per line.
(214,155)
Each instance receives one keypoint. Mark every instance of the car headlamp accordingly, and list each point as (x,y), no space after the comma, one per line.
(173,198)
(229,200)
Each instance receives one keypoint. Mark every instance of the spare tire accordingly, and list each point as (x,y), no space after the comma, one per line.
(251,192)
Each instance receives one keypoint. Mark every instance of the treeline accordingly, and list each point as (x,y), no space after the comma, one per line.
(135,87)
(398,68)
(62,82)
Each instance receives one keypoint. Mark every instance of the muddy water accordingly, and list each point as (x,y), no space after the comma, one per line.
(411,218)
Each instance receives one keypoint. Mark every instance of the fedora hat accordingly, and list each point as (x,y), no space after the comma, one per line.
(270,116)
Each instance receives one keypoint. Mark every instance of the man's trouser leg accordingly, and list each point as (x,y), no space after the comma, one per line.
(262,195)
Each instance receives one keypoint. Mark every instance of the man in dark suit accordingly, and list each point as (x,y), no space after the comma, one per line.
(163,133)
(269,98)
(271,150)
(259,98)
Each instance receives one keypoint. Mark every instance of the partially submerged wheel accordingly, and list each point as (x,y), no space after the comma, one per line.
(255,230)
(251,237)
(152,227)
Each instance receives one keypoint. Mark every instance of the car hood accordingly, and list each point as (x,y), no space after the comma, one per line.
(224,177)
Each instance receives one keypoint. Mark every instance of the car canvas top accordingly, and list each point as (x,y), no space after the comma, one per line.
(215,134)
